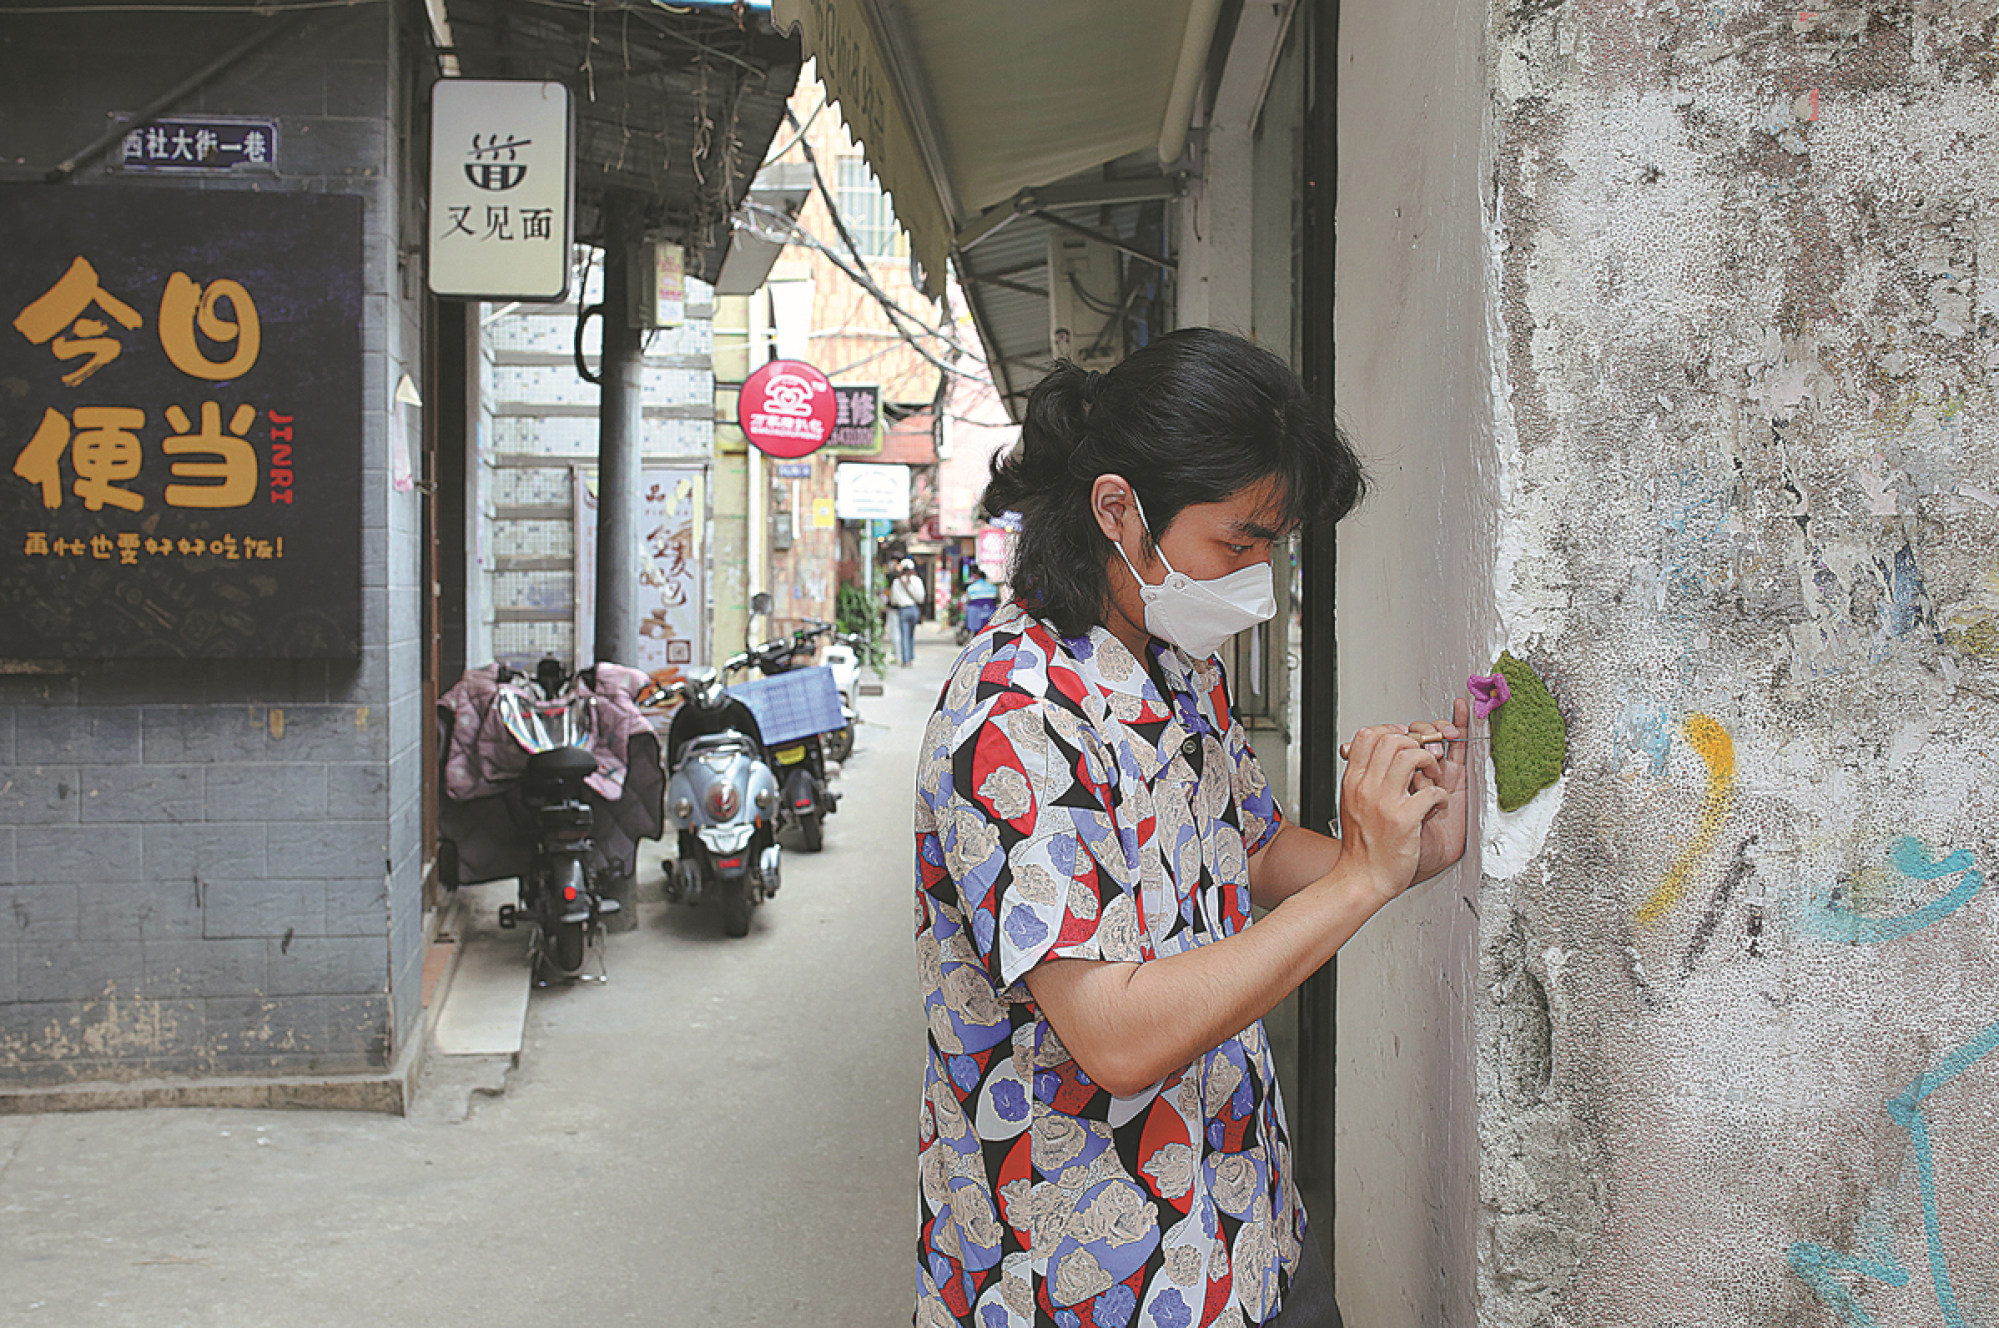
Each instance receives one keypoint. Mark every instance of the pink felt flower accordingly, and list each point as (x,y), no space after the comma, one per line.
(1488,693)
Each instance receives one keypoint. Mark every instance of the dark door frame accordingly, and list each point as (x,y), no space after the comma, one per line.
(450,351)
(1318,678)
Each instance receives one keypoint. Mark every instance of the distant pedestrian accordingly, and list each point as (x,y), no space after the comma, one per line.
(1101,1139)
(905,596)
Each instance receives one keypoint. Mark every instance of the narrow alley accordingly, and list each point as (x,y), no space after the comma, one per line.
(722,1133)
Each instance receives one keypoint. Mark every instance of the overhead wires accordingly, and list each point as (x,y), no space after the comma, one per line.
(857,270)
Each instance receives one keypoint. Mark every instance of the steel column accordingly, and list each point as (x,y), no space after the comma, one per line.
(619,445)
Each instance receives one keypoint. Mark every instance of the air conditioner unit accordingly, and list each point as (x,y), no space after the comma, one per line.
(1083,279)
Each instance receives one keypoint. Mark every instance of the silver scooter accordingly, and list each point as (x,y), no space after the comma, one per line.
(723,794)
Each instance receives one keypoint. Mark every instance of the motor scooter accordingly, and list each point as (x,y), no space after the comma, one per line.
(795,705)
(723,794)
(980,601)
(841,653)
(551,719)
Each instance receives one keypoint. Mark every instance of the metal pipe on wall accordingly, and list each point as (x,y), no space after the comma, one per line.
(620,428)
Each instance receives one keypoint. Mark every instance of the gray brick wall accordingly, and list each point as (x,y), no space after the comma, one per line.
(216,868)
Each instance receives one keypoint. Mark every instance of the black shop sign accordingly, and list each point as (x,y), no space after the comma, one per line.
(180,430)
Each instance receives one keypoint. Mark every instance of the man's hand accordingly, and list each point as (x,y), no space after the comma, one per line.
(1391,786)
(1443,840)
(1402,810)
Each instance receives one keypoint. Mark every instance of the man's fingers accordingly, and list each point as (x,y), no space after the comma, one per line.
(1404,761)
(1392,758)
(1365,740)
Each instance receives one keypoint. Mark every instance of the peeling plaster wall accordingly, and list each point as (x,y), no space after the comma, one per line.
(1411,380)
(1737,991)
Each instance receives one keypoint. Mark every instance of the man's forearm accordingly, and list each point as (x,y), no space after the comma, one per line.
(1293,859)
(1130,1025)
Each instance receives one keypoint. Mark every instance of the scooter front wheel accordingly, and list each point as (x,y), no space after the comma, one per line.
(839,744)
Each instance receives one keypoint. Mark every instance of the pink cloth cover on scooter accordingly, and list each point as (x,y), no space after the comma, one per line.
(482,812)
(484,758)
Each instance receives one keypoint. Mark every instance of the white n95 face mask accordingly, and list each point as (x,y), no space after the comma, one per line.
(1198,616)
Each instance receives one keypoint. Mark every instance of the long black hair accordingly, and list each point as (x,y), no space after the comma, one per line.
(1195,417)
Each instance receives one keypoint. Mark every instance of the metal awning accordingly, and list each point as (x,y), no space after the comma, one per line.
(676,107)
(995,126)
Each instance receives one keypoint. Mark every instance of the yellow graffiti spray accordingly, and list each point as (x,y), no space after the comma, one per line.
(1711,740)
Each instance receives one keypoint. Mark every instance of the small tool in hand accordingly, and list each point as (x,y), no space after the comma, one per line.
(1426,739)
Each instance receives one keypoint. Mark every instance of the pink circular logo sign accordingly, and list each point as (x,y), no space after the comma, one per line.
(786,408)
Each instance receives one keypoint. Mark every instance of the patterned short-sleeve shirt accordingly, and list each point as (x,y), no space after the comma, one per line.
(1068,806)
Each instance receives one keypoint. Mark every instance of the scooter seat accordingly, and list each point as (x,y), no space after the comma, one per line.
(560,763)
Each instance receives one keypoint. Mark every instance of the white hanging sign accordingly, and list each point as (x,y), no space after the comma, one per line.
(502,172)
(871,492)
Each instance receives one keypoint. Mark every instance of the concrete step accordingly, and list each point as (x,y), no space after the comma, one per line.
(486,1004)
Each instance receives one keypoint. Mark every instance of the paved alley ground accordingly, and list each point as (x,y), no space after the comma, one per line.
(721,1135)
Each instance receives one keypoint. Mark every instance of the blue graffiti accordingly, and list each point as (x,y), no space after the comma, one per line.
(1908,600)
(1829,918)
(1817,1265)
(1648,732)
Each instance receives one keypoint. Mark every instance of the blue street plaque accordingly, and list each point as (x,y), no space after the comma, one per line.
(202,143)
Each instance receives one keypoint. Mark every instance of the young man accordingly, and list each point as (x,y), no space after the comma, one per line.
(1102,1143)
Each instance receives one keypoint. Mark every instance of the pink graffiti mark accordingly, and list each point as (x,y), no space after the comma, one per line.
(1488,693)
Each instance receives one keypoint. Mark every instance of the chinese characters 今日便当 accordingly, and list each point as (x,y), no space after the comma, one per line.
(212,462)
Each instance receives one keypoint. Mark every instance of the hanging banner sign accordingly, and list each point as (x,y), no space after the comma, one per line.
(995,551)
(180,442)
(787,409)
(502,170)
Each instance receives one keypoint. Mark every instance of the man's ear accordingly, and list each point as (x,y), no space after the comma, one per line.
(1110,500)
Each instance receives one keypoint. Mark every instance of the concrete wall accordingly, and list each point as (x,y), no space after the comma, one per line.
(1738,986)
(1728,488)
(214,868)
(1411,383)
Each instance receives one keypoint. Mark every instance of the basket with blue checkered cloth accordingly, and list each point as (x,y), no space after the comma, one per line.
(794,704)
